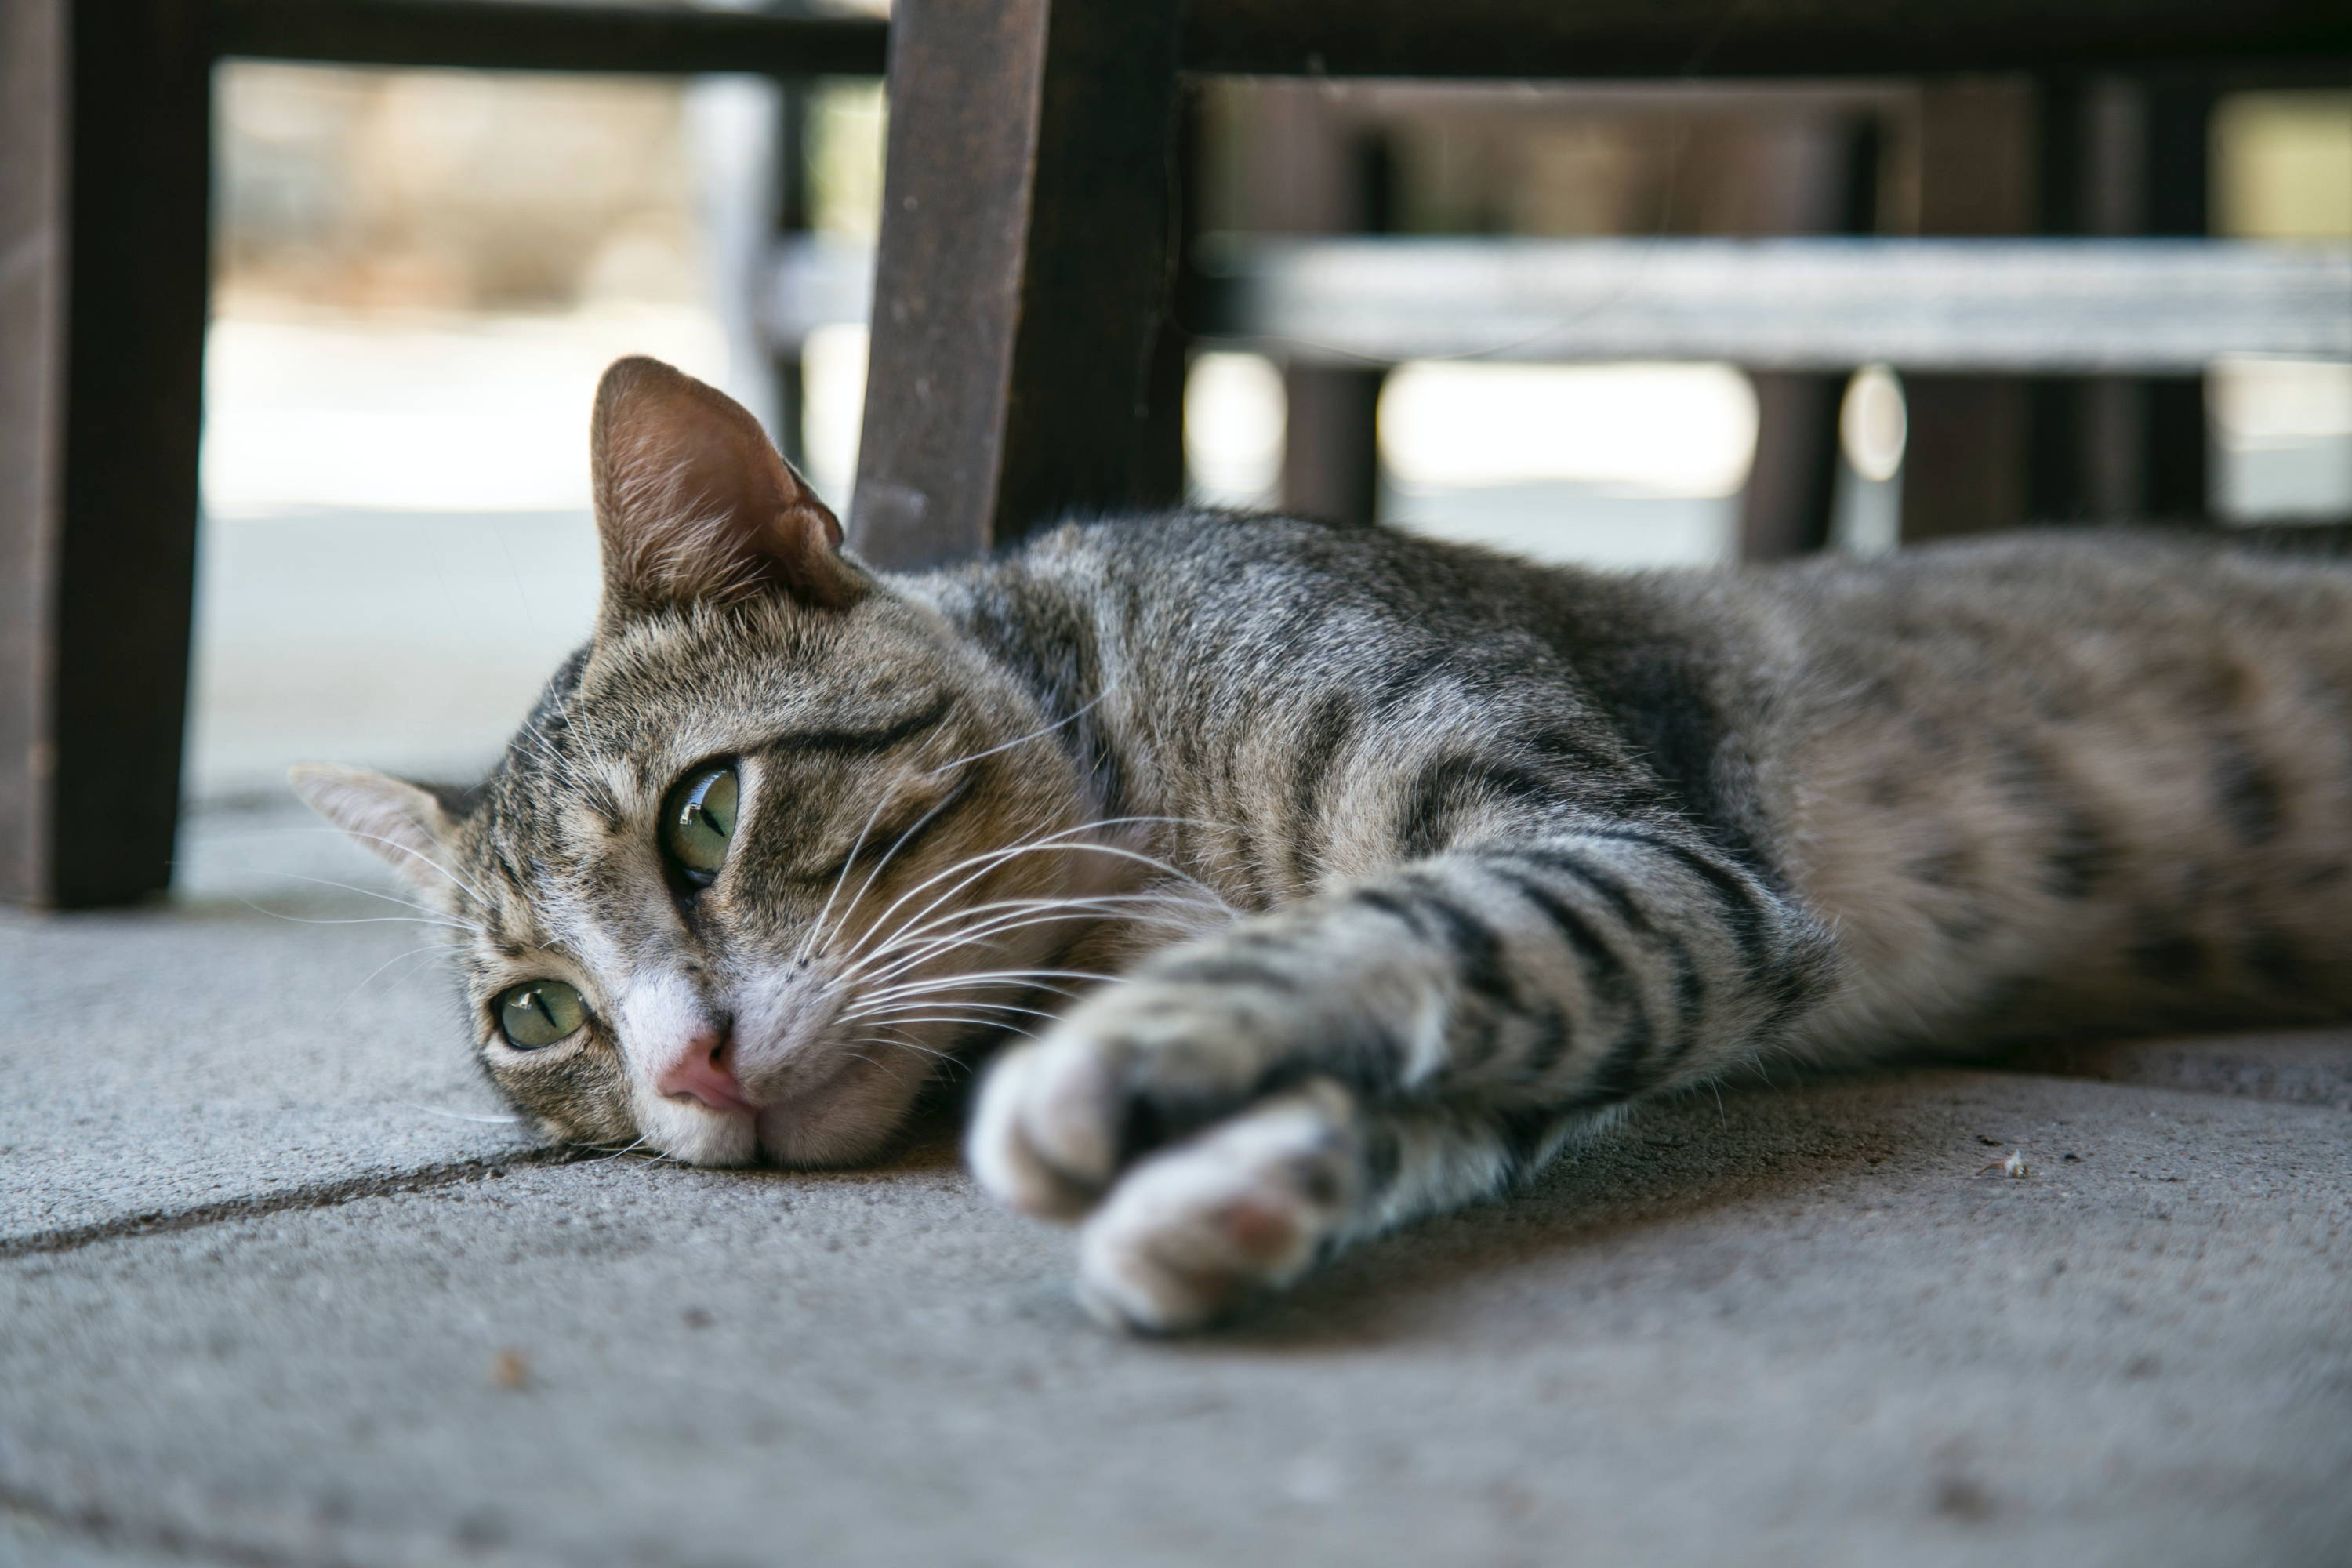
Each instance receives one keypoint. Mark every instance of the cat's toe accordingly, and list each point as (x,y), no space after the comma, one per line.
(1203,1228)
(1042,1137)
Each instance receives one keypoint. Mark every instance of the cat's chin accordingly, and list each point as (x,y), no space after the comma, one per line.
(849,1120)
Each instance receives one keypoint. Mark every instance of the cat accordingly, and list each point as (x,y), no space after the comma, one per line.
(1341,878)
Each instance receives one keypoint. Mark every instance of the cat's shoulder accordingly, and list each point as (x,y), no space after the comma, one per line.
(1204,532)
(1211,545)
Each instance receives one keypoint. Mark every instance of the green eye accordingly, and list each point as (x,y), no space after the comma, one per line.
(539,1012)
(696,822)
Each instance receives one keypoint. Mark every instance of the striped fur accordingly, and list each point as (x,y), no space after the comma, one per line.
(1419,862)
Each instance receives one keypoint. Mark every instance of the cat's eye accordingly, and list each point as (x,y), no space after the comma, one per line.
(698,820)
(539,1012)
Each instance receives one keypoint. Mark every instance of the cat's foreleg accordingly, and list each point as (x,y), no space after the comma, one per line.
(1258,1200)
(1539,980)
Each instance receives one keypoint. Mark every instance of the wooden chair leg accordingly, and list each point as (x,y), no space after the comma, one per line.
(105,110)
(1016,370)
(2177,125)
(1791,489)
(2122,157)
(1964,464)
(1820,177)
(1309,164)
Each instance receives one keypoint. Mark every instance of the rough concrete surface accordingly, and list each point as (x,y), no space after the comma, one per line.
(158,1062)
(1802,1326)
(1802,1329)
(2310,1068)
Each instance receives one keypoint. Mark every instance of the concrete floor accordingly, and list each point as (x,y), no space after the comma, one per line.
(265,1298)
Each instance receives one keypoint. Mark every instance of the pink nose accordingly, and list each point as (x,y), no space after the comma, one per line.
(703,1072)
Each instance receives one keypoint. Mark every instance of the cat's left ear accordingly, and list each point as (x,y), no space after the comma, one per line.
(694,505)
(400,824)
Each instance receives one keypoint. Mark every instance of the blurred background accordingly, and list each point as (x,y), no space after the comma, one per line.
(420,273)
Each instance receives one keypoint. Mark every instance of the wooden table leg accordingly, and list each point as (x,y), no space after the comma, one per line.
(1022,275)
(104,136)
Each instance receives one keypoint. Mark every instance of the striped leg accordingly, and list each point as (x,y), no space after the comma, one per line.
(1550,977)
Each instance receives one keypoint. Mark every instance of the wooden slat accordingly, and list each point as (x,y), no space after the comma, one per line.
(1528,38)
(1957,305)
(1493,38)
(1016,363)
(1799,304)
(499,35)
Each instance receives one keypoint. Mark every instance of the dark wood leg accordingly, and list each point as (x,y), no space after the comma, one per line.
(104,137)
(1304,162)
(791,189)
(1963,462)
(1819,177)
(2178,123)
(1331,442)
(1792,483)
(2122,157)
(1024,273)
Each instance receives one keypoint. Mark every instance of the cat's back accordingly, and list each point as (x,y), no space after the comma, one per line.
(2067,780)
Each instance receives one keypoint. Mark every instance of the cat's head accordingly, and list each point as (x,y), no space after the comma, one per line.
(740,879)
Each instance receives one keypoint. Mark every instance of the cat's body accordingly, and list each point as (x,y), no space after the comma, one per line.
(2034,785)
(1417,860)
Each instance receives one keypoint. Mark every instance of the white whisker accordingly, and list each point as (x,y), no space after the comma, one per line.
(387,963)
(1077,904)
(987,977)
(987,932)
(428,861)
(989,860)
(1022,739)
(897,1007)
(441,917)
(357,920)
(866,886)
(455,1115)
(809,942)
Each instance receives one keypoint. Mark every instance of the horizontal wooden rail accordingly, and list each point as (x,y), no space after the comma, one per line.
(1590,38)
(2135,307)
(502,35)
(1502,39)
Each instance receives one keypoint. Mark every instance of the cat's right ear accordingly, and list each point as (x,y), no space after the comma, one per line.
(695,506)
(399,823)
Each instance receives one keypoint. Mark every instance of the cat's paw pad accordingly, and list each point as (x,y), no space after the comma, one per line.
(1203,1228)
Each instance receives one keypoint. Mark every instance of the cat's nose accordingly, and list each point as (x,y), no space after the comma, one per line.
(705,1071)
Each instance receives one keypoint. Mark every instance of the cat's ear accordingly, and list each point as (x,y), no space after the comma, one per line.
(403,825)
(694,506)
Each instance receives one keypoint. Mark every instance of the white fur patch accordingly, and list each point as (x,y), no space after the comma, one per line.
(660,1016)
(1243,1207)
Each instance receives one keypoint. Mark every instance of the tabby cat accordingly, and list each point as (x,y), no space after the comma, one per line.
(1415,863)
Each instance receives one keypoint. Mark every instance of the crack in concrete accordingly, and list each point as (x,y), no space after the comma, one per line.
(93,1523)
(324,1194)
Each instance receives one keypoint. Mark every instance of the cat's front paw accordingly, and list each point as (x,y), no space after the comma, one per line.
(1206,1226)
(1131,1068)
